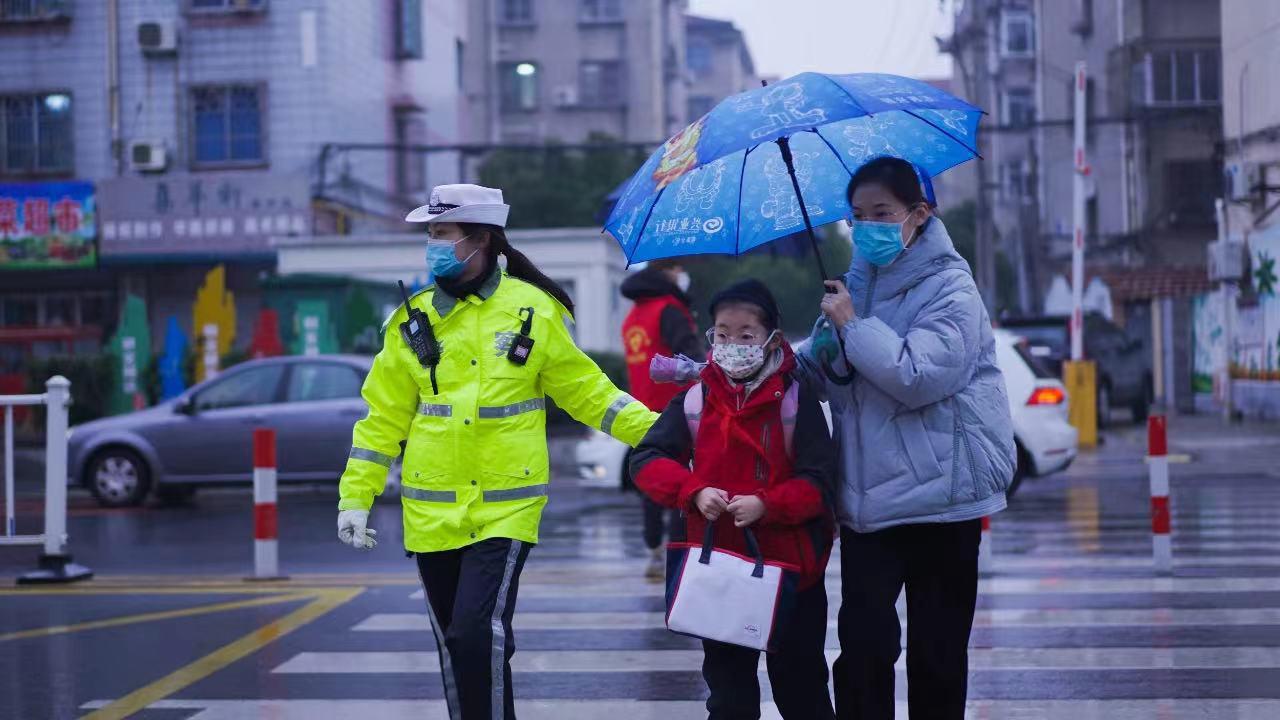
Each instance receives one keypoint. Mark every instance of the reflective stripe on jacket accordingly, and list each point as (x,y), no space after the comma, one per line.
(475,458)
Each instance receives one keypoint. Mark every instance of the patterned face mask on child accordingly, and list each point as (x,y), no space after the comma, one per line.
(740,361)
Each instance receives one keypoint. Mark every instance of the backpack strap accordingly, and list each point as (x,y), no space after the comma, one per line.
(693,401)
(790,409)
(693,409)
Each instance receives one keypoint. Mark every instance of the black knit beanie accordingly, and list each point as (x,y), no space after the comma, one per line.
(752,292)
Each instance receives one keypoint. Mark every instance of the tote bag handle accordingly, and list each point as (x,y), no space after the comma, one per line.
(753,547)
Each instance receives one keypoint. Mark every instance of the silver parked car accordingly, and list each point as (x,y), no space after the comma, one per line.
(205,436)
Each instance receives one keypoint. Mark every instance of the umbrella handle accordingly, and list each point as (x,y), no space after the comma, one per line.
(784,145)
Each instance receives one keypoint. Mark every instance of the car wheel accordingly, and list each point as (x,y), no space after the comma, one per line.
(1104,405)
(1020,471)
(175,495)
(118,477)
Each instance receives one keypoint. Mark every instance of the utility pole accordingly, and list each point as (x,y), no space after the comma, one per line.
(963,48)
(1226,272)
(984,225)
(1080,375)
(1077,212)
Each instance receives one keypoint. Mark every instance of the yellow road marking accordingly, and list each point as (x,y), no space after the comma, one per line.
(326,600)
(153,616)
(192,590)
(161,584)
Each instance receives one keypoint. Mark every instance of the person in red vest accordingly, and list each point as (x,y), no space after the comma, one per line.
(661,323)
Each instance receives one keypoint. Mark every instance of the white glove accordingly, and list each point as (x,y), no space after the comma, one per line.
(353,530)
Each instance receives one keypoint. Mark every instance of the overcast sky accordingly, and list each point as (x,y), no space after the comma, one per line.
(838,36)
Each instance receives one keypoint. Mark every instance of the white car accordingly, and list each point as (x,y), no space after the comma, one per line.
(1038,403)
(1046,442)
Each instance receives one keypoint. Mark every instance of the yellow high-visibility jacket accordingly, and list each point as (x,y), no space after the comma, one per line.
(475,459)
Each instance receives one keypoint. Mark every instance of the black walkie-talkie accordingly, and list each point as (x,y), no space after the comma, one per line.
(420,338)
(522,346)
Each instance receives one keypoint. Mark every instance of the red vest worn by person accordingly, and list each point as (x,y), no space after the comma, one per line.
(642,339)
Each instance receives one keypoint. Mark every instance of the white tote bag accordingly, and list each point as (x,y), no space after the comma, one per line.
(720,595)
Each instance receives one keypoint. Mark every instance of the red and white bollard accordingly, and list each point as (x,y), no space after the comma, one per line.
(984,546)
(1158,464)
(266,558)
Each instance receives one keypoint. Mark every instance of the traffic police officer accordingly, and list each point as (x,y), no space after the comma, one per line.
(461,381)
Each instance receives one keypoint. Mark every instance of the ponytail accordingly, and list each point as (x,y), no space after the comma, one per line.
(518,264)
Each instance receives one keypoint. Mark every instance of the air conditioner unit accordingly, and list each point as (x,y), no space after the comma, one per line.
(1226,260)
(566,96)
(148,155)
(1244,178)
(158,37)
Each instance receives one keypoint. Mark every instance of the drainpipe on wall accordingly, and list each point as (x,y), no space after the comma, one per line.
(113,82)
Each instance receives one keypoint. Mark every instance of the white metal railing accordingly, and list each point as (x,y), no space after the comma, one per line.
(55,562)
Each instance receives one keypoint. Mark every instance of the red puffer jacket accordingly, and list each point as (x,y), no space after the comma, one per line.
(740,449)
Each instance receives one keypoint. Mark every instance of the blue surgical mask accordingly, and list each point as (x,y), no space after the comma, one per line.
(444,263)
(879,242)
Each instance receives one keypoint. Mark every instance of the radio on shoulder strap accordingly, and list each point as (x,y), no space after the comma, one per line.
(420,337)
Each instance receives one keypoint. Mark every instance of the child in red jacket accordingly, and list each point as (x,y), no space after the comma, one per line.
(763,458)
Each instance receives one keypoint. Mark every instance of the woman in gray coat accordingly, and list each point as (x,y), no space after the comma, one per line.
(926,447)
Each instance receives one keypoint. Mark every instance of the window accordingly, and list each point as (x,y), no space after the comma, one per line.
(700,105)
(97,310)
(59,310)
(1016,181)
(1179,77)
(19,312)
(698,58)
(411,129)
(408,29)
(459,58)
(227,6)
(1083,24)
(227,125)
(257,386)
(35,133)
(519,86)
(600,11)
(1038,367)
(601,83)
(34,10)
(311,382)
(515,12)
(1190,189)
(1019,107)
(1017,34)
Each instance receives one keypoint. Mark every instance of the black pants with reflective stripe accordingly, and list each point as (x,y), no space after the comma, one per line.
(471,598)
(938,564)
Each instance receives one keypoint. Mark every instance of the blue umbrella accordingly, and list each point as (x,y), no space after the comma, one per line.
(773,161)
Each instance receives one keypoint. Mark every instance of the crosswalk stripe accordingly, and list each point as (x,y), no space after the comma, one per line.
(618,661)
(637,587)
(1164,708)
(577,621)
